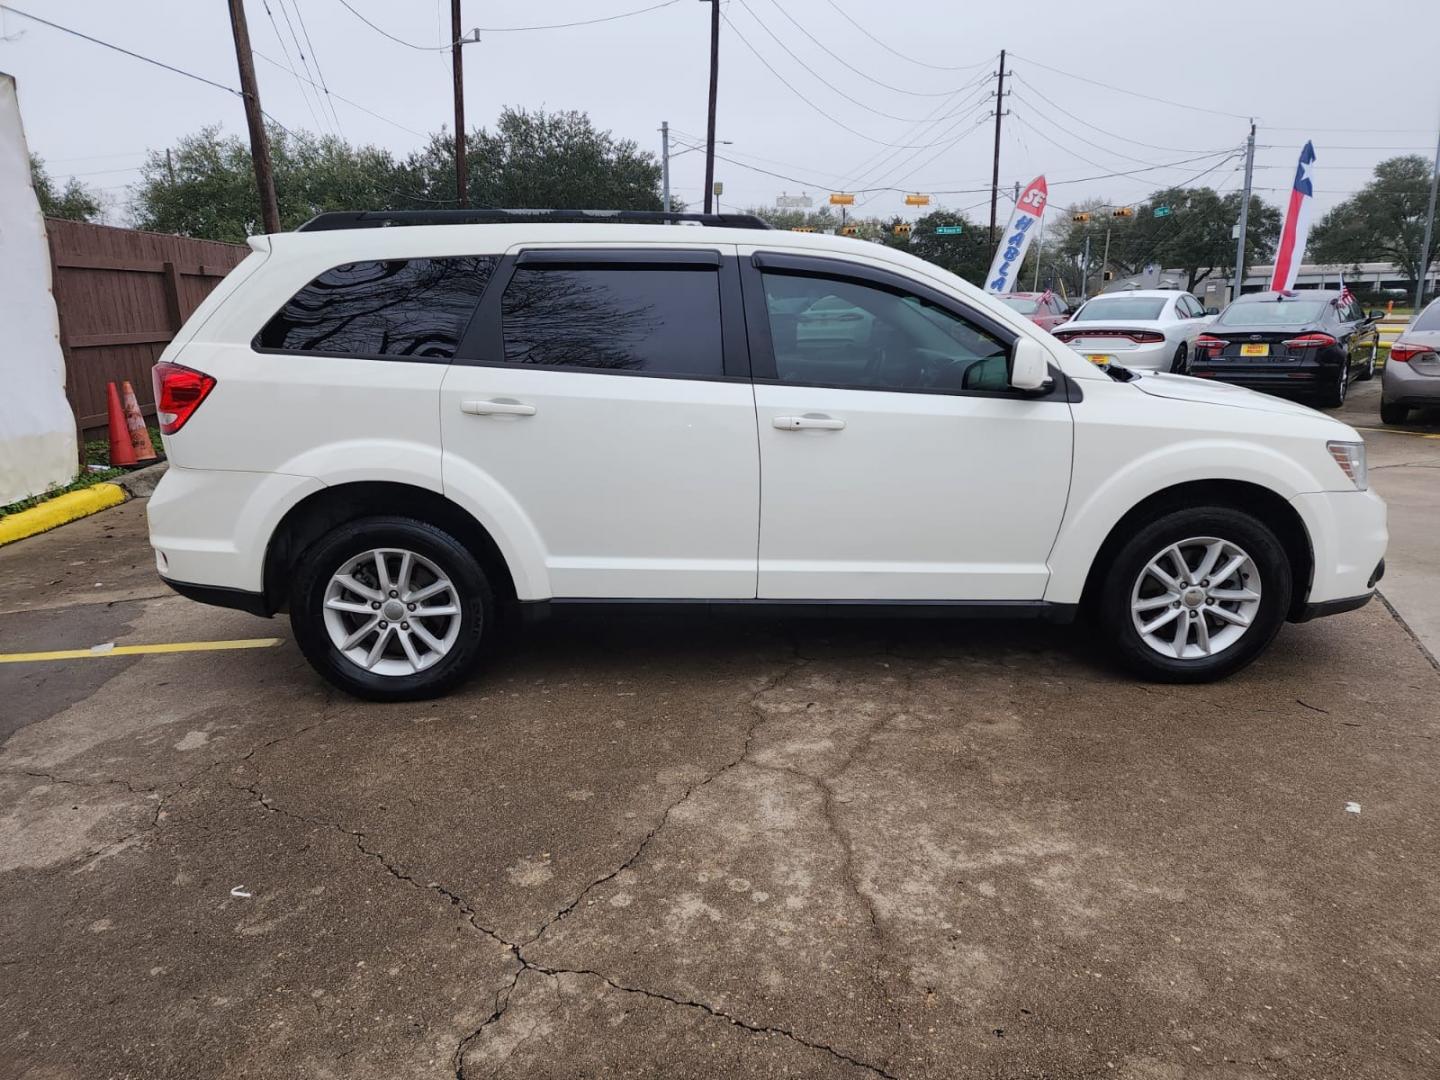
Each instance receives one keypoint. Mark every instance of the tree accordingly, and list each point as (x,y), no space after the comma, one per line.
(1383,222)
(75,201)
(966,255)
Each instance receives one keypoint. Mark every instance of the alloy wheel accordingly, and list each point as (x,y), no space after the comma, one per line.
(392,611)
(1196,598)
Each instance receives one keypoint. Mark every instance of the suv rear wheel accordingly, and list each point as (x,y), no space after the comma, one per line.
(1196,595)
(391,609)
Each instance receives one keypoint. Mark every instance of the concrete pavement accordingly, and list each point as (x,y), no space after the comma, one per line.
(679,848)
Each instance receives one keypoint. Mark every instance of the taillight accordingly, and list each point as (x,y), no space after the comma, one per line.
(1140,337)
(1210,343)
(1310,341)
(1145,337)
(1405,352)
(179,390)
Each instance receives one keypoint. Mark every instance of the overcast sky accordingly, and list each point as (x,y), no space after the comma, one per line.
(1360,80)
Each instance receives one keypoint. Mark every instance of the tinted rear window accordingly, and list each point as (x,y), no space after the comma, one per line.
(402,307)
(1429,319)
(1024,305)
(1121,307)
(1273,313)
(656,322)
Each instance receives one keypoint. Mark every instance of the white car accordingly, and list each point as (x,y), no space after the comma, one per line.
(1141,329)
(401,433)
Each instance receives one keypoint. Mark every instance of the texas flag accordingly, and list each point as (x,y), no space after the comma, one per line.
(1297,224)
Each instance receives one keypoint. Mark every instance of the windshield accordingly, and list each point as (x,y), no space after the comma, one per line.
(1121,307)
(1023,304)
(1272,313)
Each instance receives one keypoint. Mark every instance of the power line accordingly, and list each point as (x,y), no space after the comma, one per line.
(791,53)
(305,60)
(506,29)
(386,33)
(137,56)
(1114,135)
(290,66)
(889,174)
(347,101)
(897,52)
(1132,93)
(325,86)
(932,121)
(868,78)
(1040,114)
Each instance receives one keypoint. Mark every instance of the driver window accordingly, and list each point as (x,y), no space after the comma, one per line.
(833,332)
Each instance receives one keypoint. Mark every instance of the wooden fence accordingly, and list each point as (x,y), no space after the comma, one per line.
(122,295)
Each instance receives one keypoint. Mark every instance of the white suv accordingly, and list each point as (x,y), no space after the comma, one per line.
(400,433)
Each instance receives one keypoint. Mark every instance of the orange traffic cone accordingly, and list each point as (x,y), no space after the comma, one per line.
(122,451)
(135,423)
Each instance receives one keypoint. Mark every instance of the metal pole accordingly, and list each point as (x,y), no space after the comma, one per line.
(1085,269)
(1105,259)
(1244,215)
(714,87)
(456,51)
(1039,250)
(995,173)
(1429,231)
(255,120)
(665,163)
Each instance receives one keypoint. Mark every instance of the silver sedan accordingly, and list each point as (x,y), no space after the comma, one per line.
(1412,374)
(1148,329)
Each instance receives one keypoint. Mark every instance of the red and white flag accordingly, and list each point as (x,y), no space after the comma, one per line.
(1291,251)
(1346,296)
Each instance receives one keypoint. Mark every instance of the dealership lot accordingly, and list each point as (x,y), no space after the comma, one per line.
(674,847)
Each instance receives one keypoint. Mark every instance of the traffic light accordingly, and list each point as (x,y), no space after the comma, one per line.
(849,230)
(803,228)
(902,229)
(1123,211)
(1082,217)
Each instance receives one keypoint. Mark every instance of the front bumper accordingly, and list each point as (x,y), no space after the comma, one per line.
(1348,537)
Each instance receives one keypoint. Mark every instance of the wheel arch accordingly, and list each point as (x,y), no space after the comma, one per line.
(1259,501)
(317,514)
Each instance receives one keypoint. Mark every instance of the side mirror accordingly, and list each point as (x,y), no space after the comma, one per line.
(1030,368)
(1376,315)
(1212,311)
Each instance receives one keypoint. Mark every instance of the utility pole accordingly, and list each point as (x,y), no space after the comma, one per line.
(457,49)
(1039,250)
(714,87)
(169,165)
(995,174)
(254,119)
(1429,232)
(665,164)
(1085,269)
(1105,259)
(1244,215)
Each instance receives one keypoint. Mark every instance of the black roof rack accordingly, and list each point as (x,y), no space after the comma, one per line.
(379,219)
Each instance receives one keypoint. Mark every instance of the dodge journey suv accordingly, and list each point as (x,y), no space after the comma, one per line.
(401,426)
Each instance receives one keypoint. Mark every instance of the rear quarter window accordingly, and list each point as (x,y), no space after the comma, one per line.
(401,308)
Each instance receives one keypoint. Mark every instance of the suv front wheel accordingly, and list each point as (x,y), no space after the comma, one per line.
(1196,595)
(391,609)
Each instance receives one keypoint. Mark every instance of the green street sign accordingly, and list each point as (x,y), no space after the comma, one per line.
(1162,211)
(949,230)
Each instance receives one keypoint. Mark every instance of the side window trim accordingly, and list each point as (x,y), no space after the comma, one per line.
(757,317)
(483,342)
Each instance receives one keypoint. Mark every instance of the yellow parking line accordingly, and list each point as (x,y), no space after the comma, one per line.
(138,650)
(1397,431)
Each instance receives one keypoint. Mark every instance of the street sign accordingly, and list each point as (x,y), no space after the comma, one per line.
(719,187)
(917,200)
(793,202)
(840,198)
(949,230)
(1163,211)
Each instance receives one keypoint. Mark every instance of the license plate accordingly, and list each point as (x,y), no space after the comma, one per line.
(1254,350)
(1098,358)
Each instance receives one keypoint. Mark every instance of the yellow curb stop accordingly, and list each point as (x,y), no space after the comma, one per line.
(99,651)
(60,510)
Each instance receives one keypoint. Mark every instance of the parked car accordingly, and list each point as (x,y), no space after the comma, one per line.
(401,426)
(1310,342)
(1411,378)
(1045,310)
(1142,329)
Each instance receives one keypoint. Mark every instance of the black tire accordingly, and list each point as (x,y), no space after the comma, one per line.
(477,609)
(1181,363)
(1224,523)
(1333,396)
(1392,413)
(1369,372)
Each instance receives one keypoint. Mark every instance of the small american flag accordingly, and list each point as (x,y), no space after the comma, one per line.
(1346,296)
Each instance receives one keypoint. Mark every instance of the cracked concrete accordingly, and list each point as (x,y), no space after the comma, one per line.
(677,848)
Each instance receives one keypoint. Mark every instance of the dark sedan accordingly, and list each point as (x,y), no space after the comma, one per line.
(1312,343)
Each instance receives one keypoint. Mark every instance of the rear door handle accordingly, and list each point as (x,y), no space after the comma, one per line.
(497,408)
(802,423)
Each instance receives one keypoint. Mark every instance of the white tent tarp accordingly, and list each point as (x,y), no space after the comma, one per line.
(37,428)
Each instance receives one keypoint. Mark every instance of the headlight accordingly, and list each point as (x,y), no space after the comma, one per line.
(1350,456)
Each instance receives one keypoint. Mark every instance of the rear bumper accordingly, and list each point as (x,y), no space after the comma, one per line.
(1275,379)
(1401,384)
(1143,357)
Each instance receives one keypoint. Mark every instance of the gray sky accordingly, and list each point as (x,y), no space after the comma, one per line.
(1357,79)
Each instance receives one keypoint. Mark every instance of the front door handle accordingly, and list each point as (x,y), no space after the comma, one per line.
(807,422)
(497,408)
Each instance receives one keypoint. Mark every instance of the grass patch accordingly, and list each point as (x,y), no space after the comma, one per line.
(84,480)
